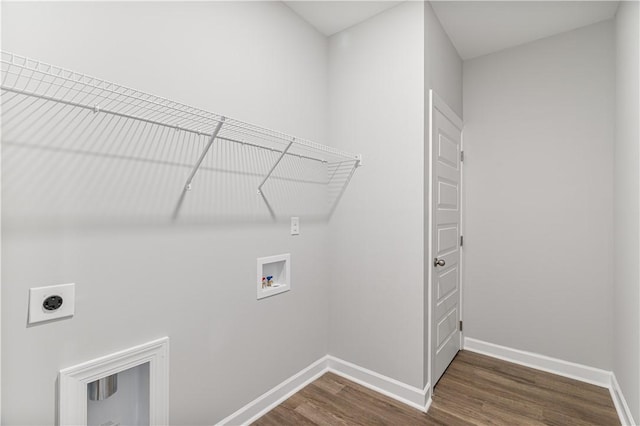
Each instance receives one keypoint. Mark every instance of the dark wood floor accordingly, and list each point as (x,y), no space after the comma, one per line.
(475,390)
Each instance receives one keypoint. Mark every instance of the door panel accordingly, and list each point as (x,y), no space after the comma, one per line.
(447,327)
(447,194)
(447,239)
(447,284)
(448,151)
(445,278)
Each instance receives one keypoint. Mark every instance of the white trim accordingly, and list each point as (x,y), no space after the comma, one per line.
(0,251)
(594,376)
(421,398)
(274,397)
(402,392)
(624,413)
(583,373)
(462,232)
(406,394)
(446,110)
(73,381)
(429,239)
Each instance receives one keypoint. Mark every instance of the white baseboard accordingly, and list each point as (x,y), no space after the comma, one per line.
(583,373)
(421,398)
(274,397)
(409,395)
(626,418)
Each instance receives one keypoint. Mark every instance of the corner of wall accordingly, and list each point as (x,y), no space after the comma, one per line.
(445,74)
(626,292)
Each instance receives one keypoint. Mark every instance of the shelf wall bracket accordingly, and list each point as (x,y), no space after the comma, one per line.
(187,185)
(282,154)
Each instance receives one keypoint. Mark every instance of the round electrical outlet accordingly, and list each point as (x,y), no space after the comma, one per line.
(52,303)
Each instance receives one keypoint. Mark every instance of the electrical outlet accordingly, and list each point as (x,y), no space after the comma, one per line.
(47,303)
(295,226)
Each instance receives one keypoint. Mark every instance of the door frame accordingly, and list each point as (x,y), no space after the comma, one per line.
(435,102)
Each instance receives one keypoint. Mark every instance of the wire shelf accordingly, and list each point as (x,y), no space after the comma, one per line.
(52,108)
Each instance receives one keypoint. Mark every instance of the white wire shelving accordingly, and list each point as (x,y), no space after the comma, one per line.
(32,90)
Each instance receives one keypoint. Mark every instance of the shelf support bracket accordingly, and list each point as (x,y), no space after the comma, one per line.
(187,185)
(282,154)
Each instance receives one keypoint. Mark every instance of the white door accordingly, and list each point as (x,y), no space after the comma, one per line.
(446,145)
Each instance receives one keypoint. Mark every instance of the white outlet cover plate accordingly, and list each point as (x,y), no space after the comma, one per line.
(37,295)
(295,226)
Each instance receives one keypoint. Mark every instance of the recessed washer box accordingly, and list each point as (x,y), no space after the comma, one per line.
(279,268)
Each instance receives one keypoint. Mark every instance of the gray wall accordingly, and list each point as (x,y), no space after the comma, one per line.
(443,74)
(376,235)
(443,66)
(539,128)
(626,321)
(257,62)
(379,75)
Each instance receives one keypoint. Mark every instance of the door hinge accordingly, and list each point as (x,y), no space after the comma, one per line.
(461,240)
(460,325)
(461,155)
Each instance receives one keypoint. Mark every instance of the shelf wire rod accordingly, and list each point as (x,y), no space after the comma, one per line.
(283,138)
(187,185)
(276,140)
(334,171)
(120,114)
(247,129)
(241,127)
(106,102)
(7,98)
(274,149)
(115,99)
(136,107)
(150,106)
(7,74)
(343,189)
(56,116)
(115,89)
(55,94)
(275,165)
(91,108)
(25,98)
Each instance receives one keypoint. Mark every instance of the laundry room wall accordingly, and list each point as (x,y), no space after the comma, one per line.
(376,107)
(191,281)
(626,322)
(539,128)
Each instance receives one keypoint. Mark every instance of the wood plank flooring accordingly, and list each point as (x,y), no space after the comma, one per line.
(475,390)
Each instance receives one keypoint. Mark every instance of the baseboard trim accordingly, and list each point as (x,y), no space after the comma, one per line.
(624,413)
(402,392)
(406,394)
(421,398)
(583,373)
(274,397)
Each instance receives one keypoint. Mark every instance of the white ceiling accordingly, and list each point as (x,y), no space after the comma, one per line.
(476,28)
(480,27)
(330,17)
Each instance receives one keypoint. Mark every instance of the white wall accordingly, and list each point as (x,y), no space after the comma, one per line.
(443,74)
(443,66)
(254,61)
(376,107)
(539,128)
(626,321)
